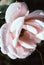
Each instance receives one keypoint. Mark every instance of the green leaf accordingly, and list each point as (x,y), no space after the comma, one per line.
(2,11)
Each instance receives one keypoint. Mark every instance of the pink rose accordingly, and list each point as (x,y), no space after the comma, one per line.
(22,31)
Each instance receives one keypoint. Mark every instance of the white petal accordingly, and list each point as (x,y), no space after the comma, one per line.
(3,50)
(26,45)
(11,56)
(15,10)
(40,35)
(1,43)
(27,13)
(41,23)
(11,11)
(14,42)
(30,29)
(0,38)
(41,13)
(12,52)
(17,23)
(17,27)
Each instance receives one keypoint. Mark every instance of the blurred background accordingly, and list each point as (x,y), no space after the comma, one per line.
(37,57)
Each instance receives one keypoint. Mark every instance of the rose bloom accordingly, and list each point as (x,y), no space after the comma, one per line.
(22,31)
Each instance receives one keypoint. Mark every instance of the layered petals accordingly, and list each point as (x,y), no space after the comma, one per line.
(22,31)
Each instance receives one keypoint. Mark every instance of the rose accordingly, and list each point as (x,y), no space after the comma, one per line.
(22,31)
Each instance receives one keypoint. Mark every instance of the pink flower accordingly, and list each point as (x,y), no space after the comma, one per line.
(22,31)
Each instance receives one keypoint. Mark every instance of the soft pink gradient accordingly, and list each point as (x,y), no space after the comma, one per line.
(22,31)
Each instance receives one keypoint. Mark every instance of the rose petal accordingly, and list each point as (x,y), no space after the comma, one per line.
(40,35)
(30,29)
(17,27)
(15,10)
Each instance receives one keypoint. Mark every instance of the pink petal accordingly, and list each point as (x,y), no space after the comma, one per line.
(36,15)
(15,10)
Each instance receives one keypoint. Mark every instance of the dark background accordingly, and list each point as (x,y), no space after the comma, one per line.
(37,57)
